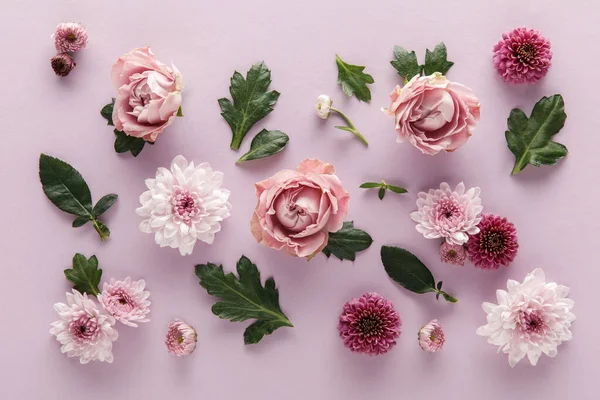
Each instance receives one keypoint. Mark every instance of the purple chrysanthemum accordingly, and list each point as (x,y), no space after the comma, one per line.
(495,244)
(70,37)
(62,64)
(369,324)
(522,56)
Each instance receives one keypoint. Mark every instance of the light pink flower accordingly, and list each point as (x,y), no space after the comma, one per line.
(297,210)
(83,330)
(126,301)
(530,318)
(149,94)
(431,336)
(434,114)
(522,56)
(369,324)
(449,214)
(70,37)
(495,244)
(453,254)
(181,338)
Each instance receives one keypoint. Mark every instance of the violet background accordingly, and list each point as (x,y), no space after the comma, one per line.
(554,208)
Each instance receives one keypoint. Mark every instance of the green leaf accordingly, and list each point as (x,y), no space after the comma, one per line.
(408,271)
(85,274)
(353,80)
(179,112)
(397,189)
(530,139)
(104,204)
(80,221)
(436,60)
(65,187)
(251,101)
(242,298)
(406,63)
(381,193)
(102,230)
(107,111)
(265,144)
(125,143)
(439,285)
(371,185)
(345,243)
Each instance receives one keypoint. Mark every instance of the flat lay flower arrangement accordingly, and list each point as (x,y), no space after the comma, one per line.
(303,210)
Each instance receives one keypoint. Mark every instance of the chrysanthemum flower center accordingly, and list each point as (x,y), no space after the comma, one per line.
(184,205)
(531,322)
(370,325)
(448,208)
(492,242)
(120,296)
(71,37)
(525,53)
(84,328)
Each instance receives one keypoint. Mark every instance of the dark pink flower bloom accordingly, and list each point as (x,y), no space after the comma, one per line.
(62,64)
(495,244)
(369,324)
(522,56)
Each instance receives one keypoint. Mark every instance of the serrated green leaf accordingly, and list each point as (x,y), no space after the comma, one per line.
(64,186)
(345,243)
(353,80)
(85,274)
(408,271)
(530,139)
(397,189)
(406,63)
(436,60)
(104,204)
(125,143)
(243,297)
(107,112)
(80,221)
(265,143)
(251,101)
(371,185)
(381,193)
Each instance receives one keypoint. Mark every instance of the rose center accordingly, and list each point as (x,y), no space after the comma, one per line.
(525,53)
(184,206)
(370,325)
(298,208)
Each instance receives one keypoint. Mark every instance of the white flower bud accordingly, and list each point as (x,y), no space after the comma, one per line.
(324,103)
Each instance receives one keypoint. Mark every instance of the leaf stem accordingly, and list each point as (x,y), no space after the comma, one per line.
(98,228)
(351,126)
(236,141)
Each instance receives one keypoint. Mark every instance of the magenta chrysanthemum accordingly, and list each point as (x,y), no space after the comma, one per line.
(62,64)
(70,37)
(431,337)
(449,214)
(126,301)
(522,56)
(495,244)
(453,254)
(369,324)
(181,338)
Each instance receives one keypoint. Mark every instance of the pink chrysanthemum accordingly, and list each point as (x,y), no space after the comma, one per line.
(369,324)
(449,214)
(181,338)
(431,336)
(70,37)
(126,301)
(522,56)
(495,244)
(83,330)
(453,254)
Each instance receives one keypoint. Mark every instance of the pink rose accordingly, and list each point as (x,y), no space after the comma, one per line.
(149,94)
(296,210)
(434,114)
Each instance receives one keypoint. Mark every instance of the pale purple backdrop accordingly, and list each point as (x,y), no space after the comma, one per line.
(555,209)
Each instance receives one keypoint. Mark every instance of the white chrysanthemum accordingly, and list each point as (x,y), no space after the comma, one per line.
(449,214)
(83,330)
(530,318)
(184,204)
(323,106)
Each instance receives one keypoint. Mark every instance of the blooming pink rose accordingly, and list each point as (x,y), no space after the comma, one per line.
(296,210)
(434,114)
(149,94)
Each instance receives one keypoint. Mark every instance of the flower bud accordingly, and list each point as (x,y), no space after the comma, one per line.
(62,64)
(324,103)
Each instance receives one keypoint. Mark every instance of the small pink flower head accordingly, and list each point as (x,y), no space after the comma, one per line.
(369,324)
(126,301)
(62,64)
(181,338)
(495,244)
(70,37)
(449,214)
(431,337)
(522,56)
(453,254)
